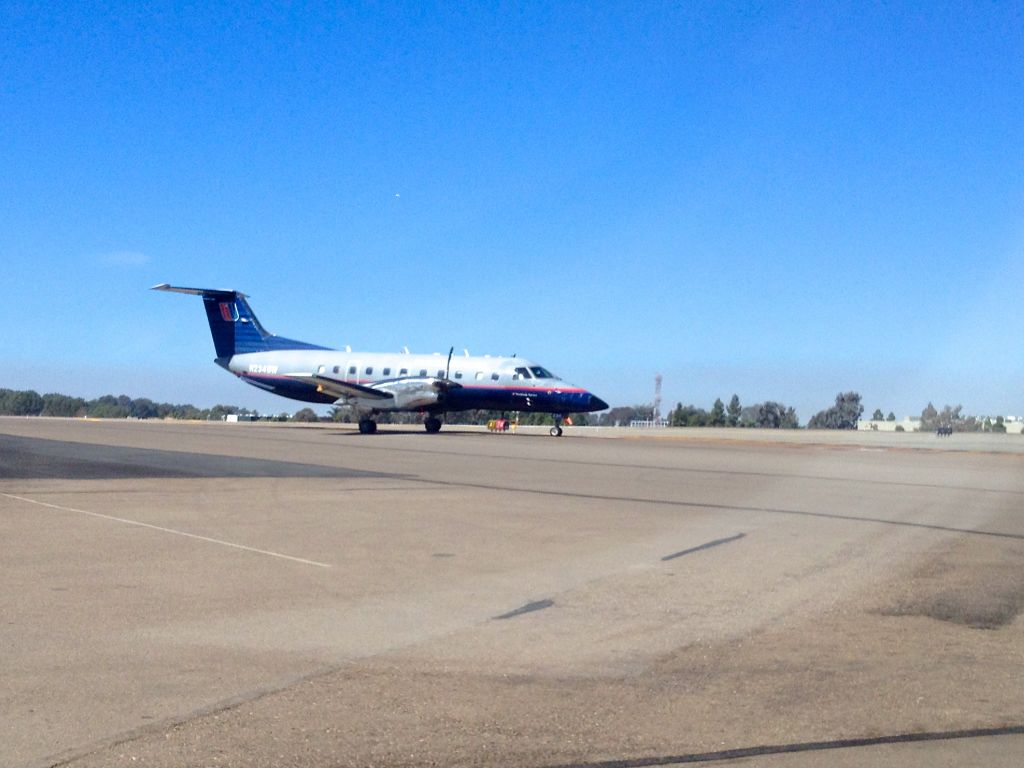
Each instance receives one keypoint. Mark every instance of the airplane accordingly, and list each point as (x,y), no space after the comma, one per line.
(371,383)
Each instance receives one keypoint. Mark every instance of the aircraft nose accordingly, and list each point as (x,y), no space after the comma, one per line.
(597,404)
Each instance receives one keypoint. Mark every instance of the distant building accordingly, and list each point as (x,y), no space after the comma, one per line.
(649,423)
(1014,424)
(880,425)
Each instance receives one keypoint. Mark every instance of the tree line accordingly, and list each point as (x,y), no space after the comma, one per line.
(843,414)
(767,415)
(952,417)
(31,403)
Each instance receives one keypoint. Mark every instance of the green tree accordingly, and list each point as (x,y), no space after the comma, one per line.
(580,419)
(536,419)
(61,405)
(843,415)
(187,412)
(688,416)
(675,416)
(143,408)
(105,407)
(949,416)
(733,412)
(929,418)
(773,415)
(305,415)
(218,412)
(22,403)
(717,416)
(749,415)
(891,416)
(877,415)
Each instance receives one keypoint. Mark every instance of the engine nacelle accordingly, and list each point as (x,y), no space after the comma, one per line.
(410,394)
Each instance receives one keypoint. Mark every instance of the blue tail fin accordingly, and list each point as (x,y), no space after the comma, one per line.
(233,325)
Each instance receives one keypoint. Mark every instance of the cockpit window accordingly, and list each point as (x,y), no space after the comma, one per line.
(522,373)
(542,373)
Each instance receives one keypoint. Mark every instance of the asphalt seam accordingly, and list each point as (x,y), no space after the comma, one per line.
(537,605)
(805,746)
(702,547)
(169,723)
(726,507)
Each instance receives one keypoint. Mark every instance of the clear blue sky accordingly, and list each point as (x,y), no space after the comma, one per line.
(778,200)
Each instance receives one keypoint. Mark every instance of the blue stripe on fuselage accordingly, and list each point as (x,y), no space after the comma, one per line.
(463,398)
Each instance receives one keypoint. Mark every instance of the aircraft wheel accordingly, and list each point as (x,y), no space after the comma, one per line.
(433,424)
(556,431)
(367,426)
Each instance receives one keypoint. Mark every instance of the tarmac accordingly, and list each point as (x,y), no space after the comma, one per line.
(204,594)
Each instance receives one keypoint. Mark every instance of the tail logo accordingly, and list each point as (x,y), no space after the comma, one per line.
(229,311)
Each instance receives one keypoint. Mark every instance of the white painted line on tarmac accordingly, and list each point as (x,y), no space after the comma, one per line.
(168,530)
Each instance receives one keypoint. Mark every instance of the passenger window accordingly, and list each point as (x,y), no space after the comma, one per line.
(458,374)
(479,375)
(337,368)
(386,371)
(351,370)
(404,372)
(321,369)
(494,377)
(423,371)
(440,374)
(369,370)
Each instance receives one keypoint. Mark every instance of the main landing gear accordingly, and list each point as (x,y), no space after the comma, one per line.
(369,426)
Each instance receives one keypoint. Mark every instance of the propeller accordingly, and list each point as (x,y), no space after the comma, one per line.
(446,383)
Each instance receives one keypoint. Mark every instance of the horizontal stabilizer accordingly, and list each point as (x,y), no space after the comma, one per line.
(213,292)
(233,324)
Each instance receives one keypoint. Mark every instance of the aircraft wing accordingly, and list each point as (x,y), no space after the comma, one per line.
(341,389)
(410,393)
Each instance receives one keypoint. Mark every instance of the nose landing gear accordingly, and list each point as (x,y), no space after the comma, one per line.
(556,431)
